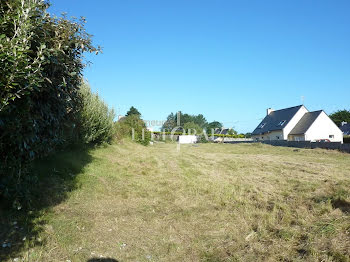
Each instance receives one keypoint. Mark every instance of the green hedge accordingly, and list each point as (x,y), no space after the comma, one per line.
(231,136)
(41,66)
(209,135)
(167,133)
(95,121)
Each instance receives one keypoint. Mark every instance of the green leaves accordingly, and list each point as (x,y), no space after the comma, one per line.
(39,86)
(95,119)
(340,116)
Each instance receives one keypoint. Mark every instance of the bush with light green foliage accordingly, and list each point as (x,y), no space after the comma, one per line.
(133,127)
(95,118)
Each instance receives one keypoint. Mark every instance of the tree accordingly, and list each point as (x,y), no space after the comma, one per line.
(214,125)
(172,122)
(200,120)
(184,118)
(191,127)
(133,125)
(133,111)
(340,116)
(248,135)
(232,131)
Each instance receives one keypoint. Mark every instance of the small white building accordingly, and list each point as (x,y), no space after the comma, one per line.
(297,124)
(187,139)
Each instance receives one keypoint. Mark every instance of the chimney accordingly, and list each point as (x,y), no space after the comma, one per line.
(344,123)
(269,110)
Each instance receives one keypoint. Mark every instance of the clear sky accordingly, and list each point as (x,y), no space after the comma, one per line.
(228,60)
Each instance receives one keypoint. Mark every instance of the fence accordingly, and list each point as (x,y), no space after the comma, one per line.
(229,140)
(308,144)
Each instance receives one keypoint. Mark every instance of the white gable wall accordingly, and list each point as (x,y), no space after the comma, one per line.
(322,128)
(273,135)
(296,138)
(292,123)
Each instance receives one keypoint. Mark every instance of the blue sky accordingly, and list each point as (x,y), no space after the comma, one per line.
(228,60)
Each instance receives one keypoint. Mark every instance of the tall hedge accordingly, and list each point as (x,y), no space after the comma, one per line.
(95,118)
(41,63)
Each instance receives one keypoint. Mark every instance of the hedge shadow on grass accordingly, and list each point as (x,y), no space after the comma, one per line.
(56,174)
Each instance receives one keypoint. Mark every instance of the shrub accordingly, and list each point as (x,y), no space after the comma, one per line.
(145,138)
(95,121)
(202,139)
(133,127)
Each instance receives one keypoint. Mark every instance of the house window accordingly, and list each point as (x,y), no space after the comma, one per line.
(331,136)
(262,125)
(282,123)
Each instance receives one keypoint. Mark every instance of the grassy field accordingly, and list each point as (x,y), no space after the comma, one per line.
(209,202)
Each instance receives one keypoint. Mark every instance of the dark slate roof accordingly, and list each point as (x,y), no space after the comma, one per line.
(217,131)
(345,129)
(274,118)
(224,131)
(305,122)
(221,131)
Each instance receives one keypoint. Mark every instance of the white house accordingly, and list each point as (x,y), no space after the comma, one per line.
(297,124)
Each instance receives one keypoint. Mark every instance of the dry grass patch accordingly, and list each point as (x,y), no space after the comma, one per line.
(211,202)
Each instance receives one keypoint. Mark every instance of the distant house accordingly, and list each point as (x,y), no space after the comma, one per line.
(345,128)
(221,131)
(297,124)
(121,118)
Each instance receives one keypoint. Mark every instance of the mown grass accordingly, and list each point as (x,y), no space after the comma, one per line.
(209,202)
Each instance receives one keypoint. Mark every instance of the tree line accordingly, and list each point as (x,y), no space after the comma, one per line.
(340,116)
(194,122)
